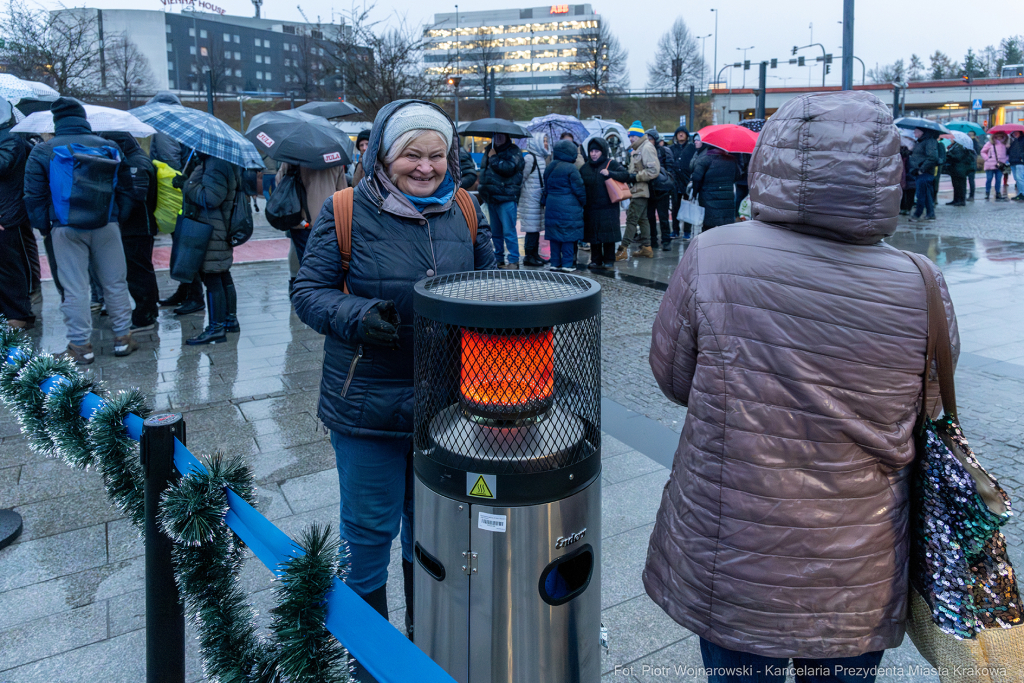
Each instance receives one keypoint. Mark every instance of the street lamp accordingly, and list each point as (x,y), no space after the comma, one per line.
(744,50)
(195,35)
(703,39)
(716,37)
(454,82)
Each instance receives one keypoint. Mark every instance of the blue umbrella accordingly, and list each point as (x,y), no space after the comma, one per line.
(201,131)
(554,125)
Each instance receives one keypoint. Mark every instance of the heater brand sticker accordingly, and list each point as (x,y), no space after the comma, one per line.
(480,485)
(489,522)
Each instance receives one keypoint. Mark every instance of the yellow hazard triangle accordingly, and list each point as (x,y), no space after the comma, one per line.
(480,489)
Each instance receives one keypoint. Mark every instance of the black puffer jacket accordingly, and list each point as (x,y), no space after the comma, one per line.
(208,197)
(138,222)
(468,168)
(714,174)
(600,215)
(14,153)
(68,130)
(393,247)
(1015,151)
(680,157)
(925,156)
(501,175)
(163,148)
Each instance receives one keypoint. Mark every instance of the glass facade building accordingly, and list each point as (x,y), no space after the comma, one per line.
(532,50)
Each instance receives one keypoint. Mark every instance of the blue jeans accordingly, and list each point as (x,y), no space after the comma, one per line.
(375,475)
(503,230)
(563,254)
(269,183)
(741,667)
(925,199)
(1018,177)
(990,174)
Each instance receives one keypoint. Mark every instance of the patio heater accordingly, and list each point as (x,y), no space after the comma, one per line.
(508,459)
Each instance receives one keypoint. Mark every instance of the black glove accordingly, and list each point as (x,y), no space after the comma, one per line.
(632,177)
(178,181)
(379,326)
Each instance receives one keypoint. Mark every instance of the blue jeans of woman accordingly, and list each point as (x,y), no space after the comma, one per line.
(990,175)
(503,230)
(375,477)
(730,666)
(925,198)
(563,254)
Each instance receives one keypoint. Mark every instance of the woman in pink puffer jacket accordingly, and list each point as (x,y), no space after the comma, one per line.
(994,156)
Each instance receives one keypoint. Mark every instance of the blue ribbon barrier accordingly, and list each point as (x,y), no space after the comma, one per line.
(379,647)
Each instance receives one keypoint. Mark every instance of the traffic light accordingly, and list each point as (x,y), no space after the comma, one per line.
(965,78)
(775,63)
(828,68)
(828,58)
(746,65)
(794,49)
(800,61)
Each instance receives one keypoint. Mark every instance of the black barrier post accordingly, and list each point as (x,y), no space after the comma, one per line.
(165,621)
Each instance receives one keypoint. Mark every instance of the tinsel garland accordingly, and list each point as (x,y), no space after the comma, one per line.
(207,555)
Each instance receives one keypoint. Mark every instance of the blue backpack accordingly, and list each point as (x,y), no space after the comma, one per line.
(82,184)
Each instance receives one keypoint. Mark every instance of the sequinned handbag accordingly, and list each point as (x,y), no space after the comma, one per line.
(965,613)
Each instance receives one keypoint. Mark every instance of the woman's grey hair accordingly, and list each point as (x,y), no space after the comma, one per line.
(400,145)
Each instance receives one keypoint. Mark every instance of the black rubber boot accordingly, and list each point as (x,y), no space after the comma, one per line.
(407,579)
(378,600)
(178,297)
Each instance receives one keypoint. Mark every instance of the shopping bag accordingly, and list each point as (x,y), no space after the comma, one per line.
(168,197)
(189,248)
(693,213)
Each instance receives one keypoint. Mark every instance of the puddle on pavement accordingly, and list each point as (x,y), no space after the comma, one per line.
(970,254)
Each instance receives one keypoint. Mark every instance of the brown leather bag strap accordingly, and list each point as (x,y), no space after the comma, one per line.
(343,228)
(465,203)
(939,344)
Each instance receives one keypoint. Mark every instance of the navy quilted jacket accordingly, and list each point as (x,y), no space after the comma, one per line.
(393,247)
(564,195)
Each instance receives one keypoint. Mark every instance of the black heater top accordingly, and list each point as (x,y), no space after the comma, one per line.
(508,385)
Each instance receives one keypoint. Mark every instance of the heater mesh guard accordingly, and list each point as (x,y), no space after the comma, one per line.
(514,400)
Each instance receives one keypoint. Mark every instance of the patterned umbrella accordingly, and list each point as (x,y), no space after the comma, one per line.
(201,131)
(42,91)
(102,120)
(554,125)
(13,89)
(959,136)
(753,124)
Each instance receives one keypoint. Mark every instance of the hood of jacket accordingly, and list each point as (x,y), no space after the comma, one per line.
(598,140)
(128,144)
(565,150)
(682,129)
(377,185)
(535,144)
(164,97)
(828,164)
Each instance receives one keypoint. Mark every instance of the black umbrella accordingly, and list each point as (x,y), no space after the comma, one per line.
(30,105)
(912,122)
(330,110)
(486,128)
(296,137)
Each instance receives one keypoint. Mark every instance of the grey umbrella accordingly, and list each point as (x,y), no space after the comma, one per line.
(330,110)
(912,122)
(486,128)
(297,137)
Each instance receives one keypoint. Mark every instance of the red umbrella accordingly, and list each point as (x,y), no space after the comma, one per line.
(1006,128)
(729,137)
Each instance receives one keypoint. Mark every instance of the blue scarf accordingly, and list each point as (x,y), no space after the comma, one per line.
(442,195)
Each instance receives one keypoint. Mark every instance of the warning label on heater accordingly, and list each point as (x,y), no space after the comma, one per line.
(489,522)
(480,485)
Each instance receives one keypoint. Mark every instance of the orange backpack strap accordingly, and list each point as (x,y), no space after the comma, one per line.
(465,203)
(343,228)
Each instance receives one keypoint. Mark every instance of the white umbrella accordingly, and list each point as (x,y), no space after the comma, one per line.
(13,89)
(102,120)
(43,92)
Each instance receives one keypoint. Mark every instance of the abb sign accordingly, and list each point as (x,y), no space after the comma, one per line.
(559,9)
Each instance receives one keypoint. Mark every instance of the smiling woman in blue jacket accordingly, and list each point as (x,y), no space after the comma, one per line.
(406,226)
(563,197)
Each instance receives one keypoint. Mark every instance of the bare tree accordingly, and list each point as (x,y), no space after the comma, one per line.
(888,73)
(61,48)
(378,65)
(485,55)
(309,63)
(126,68)
(600,65)
(677,61)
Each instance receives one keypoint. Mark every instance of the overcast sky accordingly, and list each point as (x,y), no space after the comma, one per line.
(885,31)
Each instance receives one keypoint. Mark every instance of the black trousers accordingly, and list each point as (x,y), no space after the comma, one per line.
(221,298)
(138,254)
(970,181)
(603,253)
(959,187)
(299,239)
(907,200)
(32,247)
(531,244)
(15,275)
(657,210)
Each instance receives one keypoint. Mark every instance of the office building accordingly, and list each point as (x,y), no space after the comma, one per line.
(529,51)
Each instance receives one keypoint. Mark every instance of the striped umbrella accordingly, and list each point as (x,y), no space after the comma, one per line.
(13,89)
(201,131)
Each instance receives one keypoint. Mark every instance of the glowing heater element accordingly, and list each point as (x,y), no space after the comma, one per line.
(507,375)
